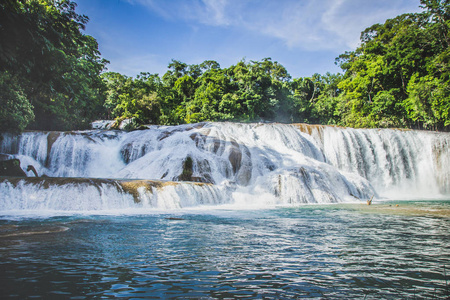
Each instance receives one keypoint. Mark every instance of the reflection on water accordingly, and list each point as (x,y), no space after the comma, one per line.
(339,251)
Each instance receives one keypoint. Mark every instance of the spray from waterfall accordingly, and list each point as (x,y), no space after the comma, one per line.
(242,164)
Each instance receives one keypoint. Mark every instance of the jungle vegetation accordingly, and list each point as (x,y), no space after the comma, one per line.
(52,77)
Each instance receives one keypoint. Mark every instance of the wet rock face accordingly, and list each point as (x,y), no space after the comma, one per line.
(11,167)
(203,170)
(186,175)
(125,152)
(4,157)
(235,157)
(51,139)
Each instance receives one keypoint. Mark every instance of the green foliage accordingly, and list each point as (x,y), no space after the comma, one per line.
(429,101)
(399,75)
(16,111)
(248,91)
(50,78)
(56,66)
(133,98)
(325,110)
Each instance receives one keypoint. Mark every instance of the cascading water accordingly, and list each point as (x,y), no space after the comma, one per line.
(398,163)
(87,194)
(242,164)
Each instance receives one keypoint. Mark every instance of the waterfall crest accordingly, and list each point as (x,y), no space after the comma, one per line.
(241,164)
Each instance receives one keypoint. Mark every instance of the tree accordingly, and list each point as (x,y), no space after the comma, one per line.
(16,111)
(325,109)
(138,98)
(399,75)
(56,66)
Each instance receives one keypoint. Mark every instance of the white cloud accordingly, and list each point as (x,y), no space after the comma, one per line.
(347,18)
(215,12)
(303,24)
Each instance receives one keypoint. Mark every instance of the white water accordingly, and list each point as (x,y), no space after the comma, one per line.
(101,195)
(249,165)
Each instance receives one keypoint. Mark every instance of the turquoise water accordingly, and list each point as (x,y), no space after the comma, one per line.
(347,251)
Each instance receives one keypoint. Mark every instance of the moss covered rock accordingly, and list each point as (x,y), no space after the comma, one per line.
(11,167)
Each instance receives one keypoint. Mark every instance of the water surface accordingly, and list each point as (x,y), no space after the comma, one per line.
(312,251)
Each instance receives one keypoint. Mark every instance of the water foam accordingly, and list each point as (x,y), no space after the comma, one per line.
(256,165)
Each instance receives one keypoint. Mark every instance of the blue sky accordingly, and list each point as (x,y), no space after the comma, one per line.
(305,36)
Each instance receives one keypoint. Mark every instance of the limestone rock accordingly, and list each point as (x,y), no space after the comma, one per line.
(11,167)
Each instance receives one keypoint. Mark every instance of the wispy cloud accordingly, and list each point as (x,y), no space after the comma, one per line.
(215,12)
(303,24)
(345,19)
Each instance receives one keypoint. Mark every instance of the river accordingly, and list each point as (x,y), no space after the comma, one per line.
(336,251)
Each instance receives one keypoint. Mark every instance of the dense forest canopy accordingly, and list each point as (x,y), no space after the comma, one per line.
(51,77)
(49,70)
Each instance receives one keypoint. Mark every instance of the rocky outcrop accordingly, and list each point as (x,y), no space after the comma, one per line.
(186,175)
(202,167)
(235,156)
(11,167)
(32,169)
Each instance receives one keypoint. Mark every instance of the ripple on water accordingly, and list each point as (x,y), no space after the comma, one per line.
(342,251)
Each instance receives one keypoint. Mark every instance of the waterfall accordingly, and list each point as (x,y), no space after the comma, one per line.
(83,194)
(238,164)
(398,163)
